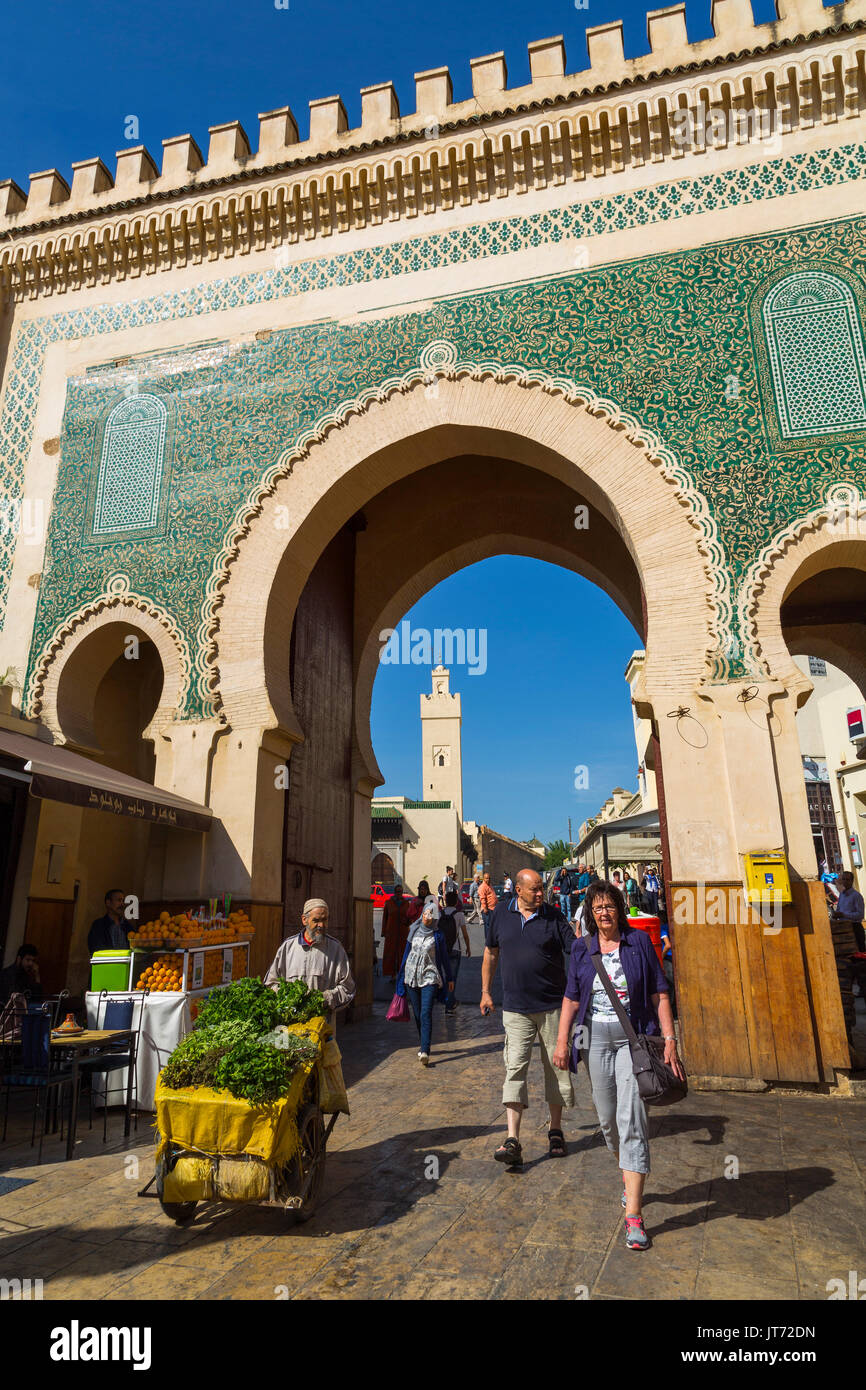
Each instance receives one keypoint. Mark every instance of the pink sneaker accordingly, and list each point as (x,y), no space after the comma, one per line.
(636,1237)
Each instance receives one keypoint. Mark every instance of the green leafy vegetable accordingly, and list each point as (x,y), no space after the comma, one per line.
(249,1001)
(230,1056)
(297,1003)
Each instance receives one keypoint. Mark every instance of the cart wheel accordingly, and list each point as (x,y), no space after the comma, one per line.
(181,1212)
(309,1162)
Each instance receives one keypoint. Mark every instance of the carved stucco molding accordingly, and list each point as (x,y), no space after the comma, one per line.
(509,154)
(438,360)
(117,596)
(841,516)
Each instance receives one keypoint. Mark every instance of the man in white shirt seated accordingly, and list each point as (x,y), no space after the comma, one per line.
(317,959)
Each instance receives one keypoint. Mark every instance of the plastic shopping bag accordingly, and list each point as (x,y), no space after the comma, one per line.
(398,1009)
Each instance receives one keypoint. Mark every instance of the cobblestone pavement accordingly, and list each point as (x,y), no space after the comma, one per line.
(389,1228)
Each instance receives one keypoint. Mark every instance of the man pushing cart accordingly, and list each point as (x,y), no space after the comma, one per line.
(241,1100)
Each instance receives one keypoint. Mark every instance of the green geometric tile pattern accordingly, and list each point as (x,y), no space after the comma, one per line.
(130,467)
(660,336)
(815,347)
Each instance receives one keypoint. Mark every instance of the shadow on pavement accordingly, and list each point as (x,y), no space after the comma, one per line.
(675,1122)
(764,1195)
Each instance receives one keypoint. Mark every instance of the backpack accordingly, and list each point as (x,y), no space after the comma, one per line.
(448,927)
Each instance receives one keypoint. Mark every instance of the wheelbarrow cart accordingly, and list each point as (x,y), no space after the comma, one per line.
(215,1147)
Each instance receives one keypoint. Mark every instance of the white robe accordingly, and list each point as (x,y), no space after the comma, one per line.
(324,965)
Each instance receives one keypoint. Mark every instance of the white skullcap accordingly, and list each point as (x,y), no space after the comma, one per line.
(312,903)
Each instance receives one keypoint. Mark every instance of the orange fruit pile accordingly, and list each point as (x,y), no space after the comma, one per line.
(181,930)
(213,969)
(165,974)
(237,927)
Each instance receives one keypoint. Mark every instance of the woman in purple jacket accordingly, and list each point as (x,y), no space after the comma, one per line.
(628,958)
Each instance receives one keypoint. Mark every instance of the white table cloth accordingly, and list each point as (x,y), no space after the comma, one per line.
(166,1019)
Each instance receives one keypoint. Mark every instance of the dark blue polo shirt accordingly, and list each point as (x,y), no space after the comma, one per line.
(531,956)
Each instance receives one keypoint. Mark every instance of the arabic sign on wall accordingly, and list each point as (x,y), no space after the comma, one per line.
(117,803)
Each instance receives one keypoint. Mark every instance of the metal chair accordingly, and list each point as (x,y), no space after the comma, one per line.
(115,1013)
(57,1003)
(34,1069)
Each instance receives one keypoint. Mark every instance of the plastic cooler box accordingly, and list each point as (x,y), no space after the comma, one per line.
(110,970)
(653,927)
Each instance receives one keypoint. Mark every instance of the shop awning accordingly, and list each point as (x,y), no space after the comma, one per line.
(58,774)
(631,838)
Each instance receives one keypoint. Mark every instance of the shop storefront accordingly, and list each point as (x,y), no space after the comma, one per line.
(70,829)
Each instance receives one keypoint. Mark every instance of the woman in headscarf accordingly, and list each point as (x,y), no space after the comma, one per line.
(425,973)
(416,904)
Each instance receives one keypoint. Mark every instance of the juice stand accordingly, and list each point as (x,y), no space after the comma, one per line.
(173,963)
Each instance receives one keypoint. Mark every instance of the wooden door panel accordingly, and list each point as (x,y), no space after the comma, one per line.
(49,929)
(709,990)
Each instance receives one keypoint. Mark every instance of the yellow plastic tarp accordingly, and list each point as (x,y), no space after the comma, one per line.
(202,1120)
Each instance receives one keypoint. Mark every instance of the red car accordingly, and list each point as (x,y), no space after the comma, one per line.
(379,895)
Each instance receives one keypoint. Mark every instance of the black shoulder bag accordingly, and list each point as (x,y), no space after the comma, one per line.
(657,1083)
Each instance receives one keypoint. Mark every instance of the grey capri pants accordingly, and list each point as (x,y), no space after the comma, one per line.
(621,1112)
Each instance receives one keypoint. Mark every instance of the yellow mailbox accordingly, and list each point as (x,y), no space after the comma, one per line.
(767,877)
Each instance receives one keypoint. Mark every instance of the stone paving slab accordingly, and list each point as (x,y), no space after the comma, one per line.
(389,1228)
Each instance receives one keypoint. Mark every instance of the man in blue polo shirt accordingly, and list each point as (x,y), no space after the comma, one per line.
(583,882)
(533,939)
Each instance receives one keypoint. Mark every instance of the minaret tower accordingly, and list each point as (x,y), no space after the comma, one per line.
(441,762)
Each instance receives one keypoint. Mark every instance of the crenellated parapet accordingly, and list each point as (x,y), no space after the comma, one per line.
(807,68)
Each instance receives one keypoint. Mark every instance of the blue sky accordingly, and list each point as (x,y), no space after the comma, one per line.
(74,72)
(537,712)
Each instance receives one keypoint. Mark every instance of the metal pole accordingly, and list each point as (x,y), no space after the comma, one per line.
(604,852)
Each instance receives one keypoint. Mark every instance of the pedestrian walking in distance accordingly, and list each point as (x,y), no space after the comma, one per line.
(452,922)
(474,889)
(563,881)
(395,927)
(849,908)
(448,885)
(425,974)
(533,939)
(583,882)
(628,958)
(487,902)
(650,885)
(418,902)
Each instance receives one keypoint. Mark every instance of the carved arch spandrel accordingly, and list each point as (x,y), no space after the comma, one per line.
(831,536)
(117,603)
(396,429)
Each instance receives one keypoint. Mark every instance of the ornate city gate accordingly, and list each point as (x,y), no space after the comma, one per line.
(228,385)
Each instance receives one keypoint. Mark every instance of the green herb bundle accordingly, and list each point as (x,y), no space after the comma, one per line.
(297,1003)
(231,1056)
(249,1001)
